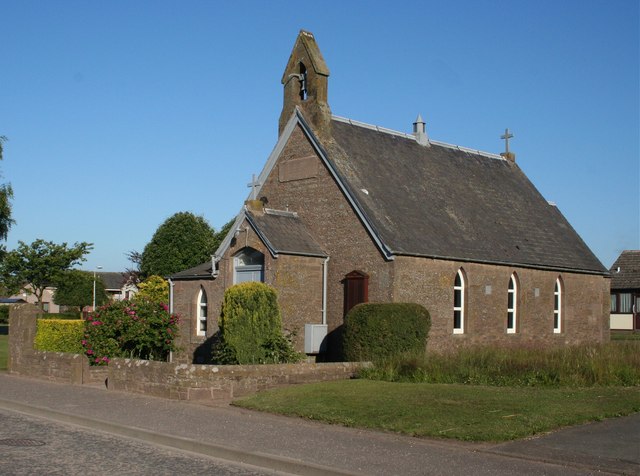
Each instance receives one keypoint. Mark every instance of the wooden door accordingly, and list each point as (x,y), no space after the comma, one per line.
(356,289)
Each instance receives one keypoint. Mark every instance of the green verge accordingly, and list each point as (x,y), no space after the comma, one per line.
(464,412)
(622,335)
(4,352)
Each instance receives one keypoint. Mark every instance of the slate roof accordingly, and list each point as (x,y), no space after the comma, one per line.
(283,232)
(202,271)
(443,201)
(629,275)
(112,280)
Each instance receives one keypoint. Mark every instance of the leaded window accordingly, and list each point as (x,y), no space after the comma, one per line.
(458,303)
(557,307)
(512,309)
(202,313)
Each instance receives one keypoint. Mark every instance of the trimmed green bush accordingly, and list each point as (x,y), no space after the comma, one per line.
(58,335)
(73,316)
(376,331)
(251,327)
(4,314)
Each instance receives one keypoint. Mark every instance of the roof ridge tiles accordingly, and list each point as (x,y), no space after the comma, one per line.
(406,135)
(283,213)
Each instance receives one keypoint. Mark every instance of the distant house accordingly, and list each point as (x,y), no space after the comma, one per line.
(119,286)
(625,292)
(26,295)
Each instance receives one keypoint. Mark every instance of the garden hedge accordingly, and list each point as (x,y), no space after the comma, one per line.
(59,335)
(4,314)
(375,331)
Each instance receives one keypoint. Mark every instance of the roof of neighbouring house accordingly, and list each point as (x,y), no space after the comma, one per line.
(113,280)
(11,300)
(283,232)
(625,272)
(444,201)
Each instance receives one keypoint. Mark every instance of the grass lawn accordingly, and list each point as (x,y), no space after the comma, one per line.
(465,412)
(4,351)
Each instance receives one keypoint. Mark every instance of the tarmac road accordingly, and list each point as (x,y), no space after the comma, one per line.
(36,446)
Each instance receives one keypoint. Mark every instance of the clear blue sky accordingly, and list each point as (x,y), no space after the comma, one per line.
(121,113)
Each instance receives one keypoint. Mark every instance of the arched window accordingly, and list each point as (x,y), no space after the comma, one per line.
(458,303)
(248,266)
(557,307)
(201,321)
(512,305)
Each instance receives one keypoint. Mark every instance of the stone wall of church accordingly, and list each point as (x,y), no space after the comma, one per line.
(320,204)
(585,311)
(195,348)
(298,280)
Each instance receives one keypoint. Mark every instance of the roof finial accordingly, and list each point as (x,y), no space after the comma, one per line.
(254,184)
(420,131)
(506,136)
(507,154)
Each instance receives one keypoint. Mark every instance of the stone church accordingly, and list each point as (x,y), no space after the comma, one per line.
(346,212)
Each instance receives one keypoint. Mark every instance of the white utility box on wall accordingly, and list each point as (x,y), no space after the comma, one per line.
(314,338)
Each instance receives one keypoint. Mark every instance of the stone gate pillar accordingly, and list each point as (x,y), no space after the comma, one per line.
(22,333)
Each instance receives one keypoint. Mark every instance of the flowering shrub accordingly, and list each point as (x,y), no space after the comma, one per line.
(141,330)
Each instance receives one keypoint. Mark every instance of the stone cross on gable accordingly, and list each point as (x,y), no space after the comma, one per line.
(254,184)
(506,136)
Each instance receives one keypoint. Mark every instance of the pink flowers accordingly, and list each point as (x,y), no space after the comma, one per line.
(145,326)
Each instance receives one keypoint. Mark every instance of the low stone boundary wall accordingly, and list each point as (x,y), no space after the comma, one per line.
(217,383)
(212,383)
(55,366)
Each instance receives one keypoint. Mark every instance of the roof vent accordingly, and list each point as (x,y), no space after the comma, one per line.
(420,131)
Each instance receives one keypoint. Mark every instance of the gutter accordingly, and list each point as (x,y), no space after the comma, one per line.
(171,285)
(325,266)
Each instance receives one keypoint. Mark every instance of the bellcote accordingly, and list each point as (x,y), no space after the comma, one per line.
(305,82)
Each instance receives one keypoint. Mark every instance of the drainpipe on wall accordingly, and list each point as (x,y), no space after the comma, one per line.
(171,284)
(325,266)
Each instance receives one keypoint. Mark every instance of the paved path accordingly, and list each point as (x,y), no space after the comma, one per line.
(303,447)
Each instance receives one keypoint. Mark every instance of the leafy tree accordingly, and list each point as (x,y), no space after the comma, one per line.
(184,240)
(6,194)
(75,288)
(222,233)
(153,289)
(39,265)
